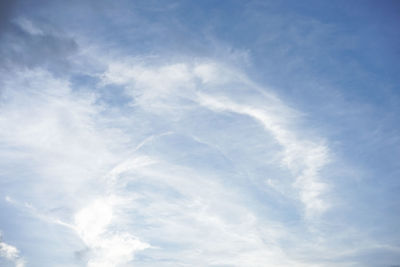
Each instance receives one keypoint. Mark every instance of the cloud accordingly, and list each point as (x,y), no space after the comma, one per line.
(168,88)
(179,91)
(108,248)
(7,9)
(11,253)
(202,167)
(148,195)
(303,158)
(28,44)
(58,130)
(133,137)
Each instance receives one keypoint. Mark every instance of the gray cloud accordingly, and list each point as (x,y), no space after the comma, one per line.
(7,8)
(26,45)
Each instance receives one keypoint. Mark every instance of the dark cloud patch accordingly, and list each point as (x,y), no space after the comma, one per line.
(82,255)
(22,49)
(373,256)
(7,8)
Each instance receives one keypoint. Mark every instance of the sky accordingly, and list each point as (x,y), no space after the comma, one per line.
(213,133)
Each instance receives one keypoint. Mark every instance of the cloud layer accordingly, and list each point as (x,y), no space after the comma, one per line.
(163,188)
(118,149)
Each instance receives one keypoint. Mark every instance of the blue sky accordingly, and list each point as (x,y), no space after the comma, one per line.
(199,133)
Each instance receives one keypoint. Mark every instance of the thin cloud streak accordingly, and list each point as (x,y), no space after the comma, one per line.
(305,158)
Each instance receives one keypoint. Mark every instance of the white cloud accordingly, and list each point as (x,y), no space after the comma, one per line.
(168,84)
(108,247)
(60,137)
(114,161)
(130,187)
(11,253)
(303,158)
(151,87)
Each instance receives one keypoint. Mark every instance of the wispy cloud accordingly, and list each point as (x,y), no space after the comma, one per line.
(175,84)
(112,157)
(61,130)
(144,198)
